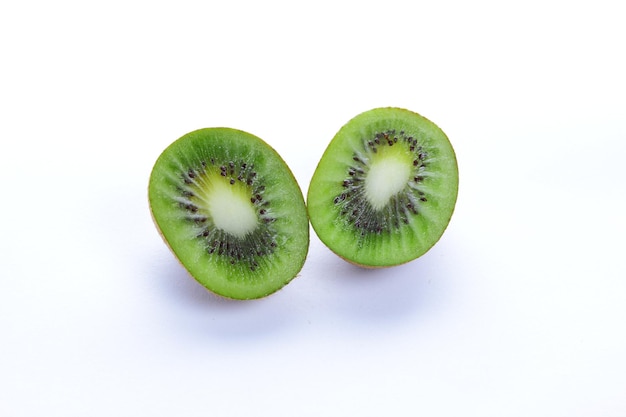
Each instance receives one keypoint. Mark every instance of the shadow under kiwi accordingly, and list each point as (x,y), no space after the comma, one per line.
(388,296)
(203,314)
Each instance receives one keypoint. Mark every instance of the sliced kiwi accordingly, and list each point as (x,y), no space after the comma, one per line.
(385,189)
(231,211)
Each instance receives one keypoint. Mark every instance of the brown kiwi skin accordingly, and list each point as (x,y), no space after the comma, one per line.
(370,266)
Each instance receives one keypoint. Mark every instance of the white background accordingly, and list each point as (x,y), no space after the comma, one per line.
(520,309)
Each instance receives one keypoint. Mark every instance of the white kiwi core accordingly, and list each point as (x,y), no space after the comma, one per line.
(387,176)
(229,206)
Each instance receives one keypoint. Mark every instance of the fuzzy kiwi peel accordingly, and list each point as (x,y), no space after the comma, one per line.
(385,188)
(231,211)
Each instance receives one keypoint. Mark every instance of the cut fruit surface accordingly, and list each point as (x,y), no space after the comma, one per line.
(385,189)
(231,211)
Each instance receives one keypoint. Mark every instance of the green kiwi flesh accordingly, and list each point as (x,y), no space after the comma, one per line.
(231,211)
(385,189)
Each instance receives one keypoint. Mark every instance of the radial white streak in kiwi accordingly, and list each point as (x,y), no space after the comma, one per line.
(230,209)
(385,178)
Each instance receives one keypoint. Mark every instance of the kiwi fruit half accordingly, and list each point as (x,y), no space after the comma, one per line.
(385,189)
(231,211)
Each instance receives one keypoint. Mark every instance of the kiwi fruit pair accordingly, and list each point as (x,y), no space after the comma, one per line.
(233,214)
